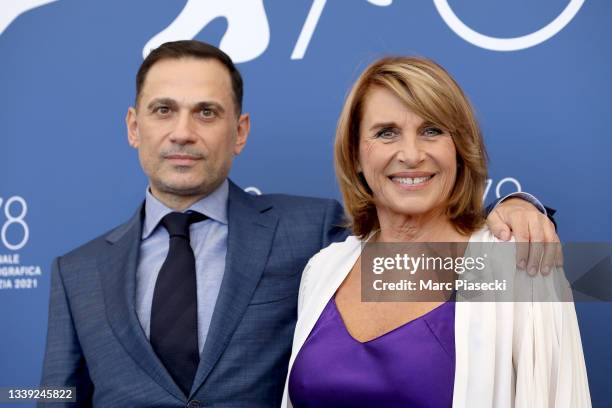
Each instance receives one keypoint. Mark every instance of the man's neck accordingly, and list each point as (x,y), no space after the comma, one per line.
(177,202)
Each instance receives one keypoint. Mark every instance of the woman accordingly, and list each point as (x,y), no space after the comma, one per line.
(411,166)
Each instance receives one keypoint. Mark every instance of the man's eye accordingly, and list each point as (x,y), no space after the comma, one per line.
(432,131)
(162,110)
(207,113)
(386,133)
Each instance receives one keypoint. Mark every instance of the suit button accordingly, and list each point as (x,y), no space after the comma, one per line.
(194,404)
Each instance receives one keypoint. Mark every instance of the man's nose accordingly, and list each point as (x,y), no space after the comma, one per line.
(184,130)
(410,151)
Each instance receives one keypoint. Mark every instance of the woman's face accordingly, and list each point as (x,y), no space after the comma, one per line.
(410,165)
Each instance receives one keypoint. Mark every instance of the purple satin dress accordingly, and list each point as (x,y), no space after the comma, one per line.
(410,366)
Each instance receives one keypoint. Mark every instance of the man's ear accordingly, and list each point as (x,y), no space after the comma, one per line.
(244,126)
(132,127)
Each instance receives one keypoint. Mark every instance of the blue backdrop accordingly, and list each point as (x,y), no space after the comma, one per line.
(538,73)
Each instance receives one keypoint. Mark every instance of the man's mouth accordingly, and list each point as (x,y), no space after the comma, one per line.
(182,159)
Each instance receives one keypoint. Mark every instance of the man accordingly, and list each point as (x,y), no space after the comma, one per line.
(192,302)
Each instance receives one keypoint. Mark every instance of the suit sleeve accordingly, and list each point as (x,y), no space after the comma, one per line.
(334,225)
(550,212)
(64,364)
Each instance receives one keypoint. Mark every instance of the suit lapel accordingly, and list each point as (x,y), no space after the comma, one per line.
(117,269)
(250,234)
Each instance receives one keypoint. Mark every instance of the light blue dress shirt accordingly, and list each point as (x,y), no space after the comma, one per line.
(527,197)
(209,242)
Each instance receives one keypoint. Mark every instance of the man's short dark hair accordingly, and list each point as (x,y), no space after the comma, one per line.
(191,49)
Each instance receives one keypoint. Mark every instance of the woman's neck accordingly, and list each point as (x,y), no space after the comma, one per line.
(429,227)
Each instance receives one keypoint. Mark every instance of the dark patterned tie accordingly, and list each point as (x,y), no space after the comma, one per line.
(174,314)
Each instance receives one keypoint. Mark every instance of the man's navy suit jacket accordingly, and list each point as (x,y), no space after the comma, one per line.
(96,344)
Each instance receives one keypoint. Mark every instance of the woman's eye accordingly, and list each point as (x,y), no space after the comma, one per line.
(386,133)
(432,131)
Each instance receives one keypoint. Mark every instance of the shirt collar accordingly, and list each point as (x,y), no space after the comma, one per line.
(214,206)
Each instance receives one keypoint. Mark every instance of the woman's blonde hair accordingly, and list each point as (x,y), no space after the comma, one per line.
(430,92)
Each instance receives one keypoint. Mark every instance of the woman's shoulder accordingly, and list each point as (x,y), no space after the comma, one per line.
(337,249)
(332,256)
(333,260)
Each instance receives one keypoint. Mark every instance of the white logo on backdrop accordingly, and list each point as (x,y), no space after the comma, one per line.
(18,221)
(247,21)
(11,9)
(253,190)
(455,24)
(247,35)
(507,44)
(248,32)
(498,187)
(14,272)
(311,24)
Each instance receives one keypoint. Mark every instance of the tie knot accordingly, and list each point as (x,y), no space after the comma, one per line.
(177,224)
